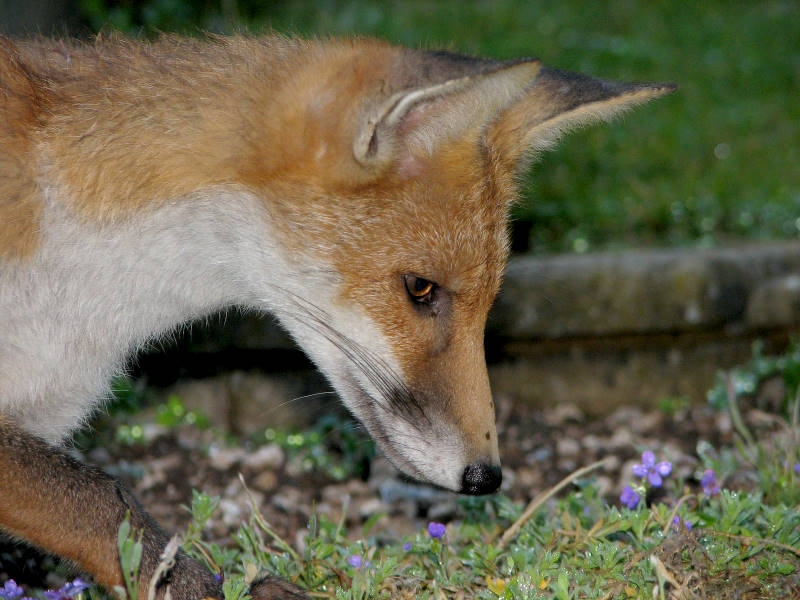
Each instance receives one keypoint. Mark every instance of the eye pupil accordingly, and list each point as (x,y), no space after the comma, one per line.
(421,286)
(418,288)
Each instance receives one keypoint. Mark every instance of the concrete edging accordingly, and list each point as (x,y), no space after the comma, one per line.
(749,288)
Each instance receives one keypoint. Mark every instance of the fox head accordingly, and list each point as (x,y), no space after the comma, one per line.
(410,158)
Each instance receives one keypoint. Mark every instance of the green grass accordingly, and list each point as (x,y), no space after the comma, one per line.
(578,546)
(716,162)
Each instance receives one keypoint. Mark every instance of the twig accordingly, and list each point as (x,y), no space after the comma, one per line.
(736,415)
(682,589)
(745,539)
(537,502)
(164,566)
(200,547)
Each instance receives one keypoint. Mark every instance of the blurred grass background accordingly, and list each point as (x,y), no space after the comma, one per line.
(717,162)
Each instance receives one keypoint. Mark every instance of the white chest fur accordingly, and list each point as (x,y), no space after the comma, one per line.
(72,314)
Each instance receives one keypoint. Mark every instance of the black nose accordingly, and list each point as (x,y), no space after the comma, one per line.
(481,478)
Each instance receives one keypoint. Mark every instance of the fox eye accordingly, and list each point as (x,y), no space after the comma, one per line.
(419,290)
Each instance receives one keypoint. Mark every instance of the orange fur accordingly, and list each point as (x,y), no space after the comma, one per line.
(22,100)
(185,114)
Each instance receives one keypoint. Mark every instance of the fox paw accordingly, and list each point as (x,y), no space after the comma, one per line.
(273,588)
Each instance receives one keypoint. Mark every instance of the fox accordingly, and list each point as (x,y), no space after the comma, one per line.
(357,190)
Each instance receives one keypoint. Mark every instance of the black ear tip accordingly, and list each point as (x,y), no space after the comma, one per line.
(481,478)
(670,87)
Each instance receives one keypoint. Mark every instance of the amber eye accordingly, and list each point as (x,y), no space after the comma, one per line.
(419,289)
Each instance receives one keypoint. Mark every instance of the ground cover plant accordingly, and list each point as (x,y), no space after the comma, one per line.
(715,162)
(727,527)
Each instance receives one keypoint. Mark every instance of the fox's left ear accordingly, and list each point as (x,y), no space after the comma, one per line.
(557,102)
(518,107)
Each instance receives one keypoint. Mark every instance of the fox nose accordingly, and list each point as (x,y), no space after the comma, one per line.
(481,478)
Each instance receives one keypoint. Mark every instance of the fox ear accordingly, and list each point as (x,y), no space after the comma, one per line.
(557,102)
(465,93)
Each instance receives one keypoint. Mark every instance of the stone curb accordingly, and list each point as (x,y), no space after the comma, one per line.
(739,289)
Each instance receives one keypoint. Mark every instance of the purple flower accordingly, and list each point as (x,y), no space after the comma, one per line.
(629,497)
(436,530)
(676,523)
(709,483)
(655,472)
(10,590)
(406,546)
(69,590)
(797,468)
(355,561)
(72,589)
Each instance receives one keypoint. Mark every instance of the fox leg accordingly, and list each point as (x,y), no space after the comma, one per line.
(74,510)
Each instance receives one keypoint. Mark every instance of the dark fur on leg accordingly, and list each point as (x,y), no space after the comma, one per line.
(272,588)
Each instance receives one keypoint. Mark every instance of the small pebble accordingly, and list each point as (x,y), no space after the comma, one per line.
(223,459)
(568,447)
(270,456)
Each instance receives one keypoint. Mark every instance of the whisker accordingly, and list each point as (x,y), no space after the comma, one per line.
(388,383)
(309,396)
(297,399)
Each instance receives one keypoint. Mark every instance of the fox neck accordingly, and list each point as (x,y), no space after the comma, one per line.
(98,291)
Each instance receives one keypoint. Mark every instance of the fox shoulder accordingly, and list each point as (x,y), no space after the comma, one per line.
(22,98)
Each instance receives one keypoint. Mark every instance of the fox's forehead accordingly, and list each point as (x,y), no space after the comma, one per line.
(458,237)
(448,227)
(461,204)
